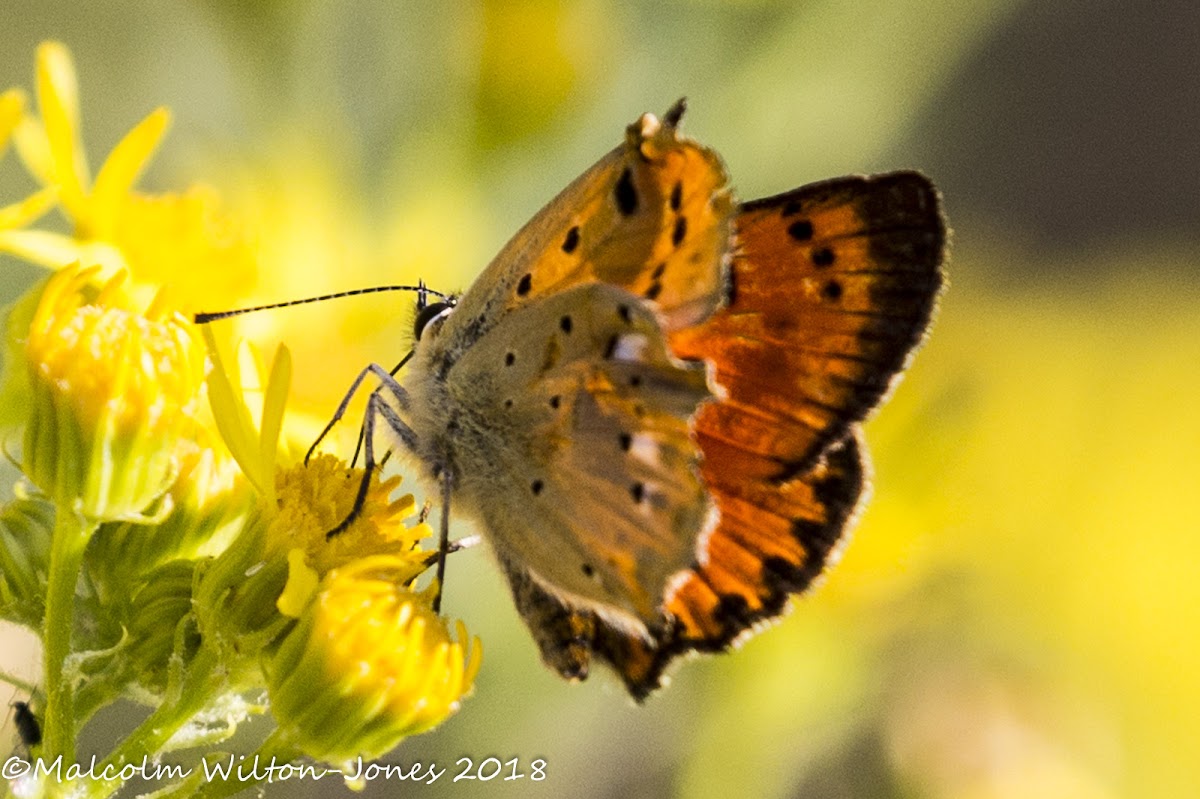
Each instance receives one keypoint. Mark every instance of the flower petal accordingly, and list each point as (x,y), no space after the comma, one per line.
(233,419)
(58,101)
(274,402)
(20,214)
(122,167)
(12,103)
(301,585)
(29,138)
(56,250)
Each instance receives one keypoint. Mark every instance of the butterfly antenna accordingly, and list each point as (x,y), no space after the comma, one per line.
(422,290)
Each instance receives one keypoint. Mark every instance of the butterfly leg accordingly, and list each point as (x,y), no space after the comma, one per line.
(443,539)
(386,378)
(376,408)
(401,397)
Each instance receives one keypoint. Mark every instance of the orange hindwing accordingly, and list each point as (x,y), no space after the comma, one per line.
(831,288)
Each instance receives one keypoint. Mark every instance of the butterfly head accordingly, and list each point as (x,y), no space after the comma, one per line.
(432,315)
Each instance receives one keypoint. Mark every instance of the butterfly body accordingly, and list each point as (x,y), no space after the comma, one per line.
(649,399)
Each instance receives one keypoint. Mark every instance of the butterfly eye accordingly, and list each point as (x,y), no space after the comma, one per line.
(428,314)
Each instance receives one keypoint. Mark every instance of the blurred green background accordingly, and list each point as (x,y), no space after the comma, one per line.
(1018,613)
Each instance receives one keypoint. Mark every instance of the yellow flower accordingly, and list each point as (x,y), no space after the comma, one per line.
(172,239)
(12,103)
(368,664)
(114,393)
(20,214)
(355,658)
(283,546)
(203,510)
(315,497)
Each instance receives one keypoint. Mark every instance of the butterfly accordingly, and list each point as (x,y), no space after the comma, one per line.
(650,399)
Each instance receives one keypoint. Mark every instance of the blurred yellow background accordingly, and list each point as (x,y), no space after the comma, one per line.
(1018,612)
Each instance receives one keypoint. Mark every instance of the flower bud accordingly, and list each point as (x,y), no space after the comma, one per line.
(114,396)
(368,664)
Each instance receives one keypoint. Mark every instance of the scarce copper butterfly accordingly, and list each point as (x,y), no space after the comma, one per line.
(650,398)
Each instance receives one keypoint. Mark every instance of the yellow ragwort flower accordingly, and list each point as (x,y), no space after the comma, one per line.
(268,574)
(12,104)
(204,509)
(19,214)
(315,497)
(114,393)
(355,658)
(169,239)
(368,664)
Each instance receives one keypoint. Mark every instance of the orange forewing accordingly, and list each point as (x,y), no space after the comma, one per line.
(832,286)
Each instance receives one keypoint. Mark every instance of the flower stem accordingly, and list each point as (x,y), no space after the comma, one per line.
(200,684)
(71,533)
(272,753)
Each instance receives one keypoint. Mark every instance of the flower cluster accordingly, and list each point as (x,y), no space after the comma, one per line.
(163,543)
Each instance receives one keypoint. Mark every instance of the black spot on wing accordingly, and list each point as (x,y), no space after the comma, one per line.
(571,242)
(832,291)
(801,231)
(680,231)
(626,194)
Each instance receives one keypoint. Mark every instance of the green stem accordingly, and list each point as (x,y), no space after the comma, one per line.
(272,751)
(202,681)
(71,533)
